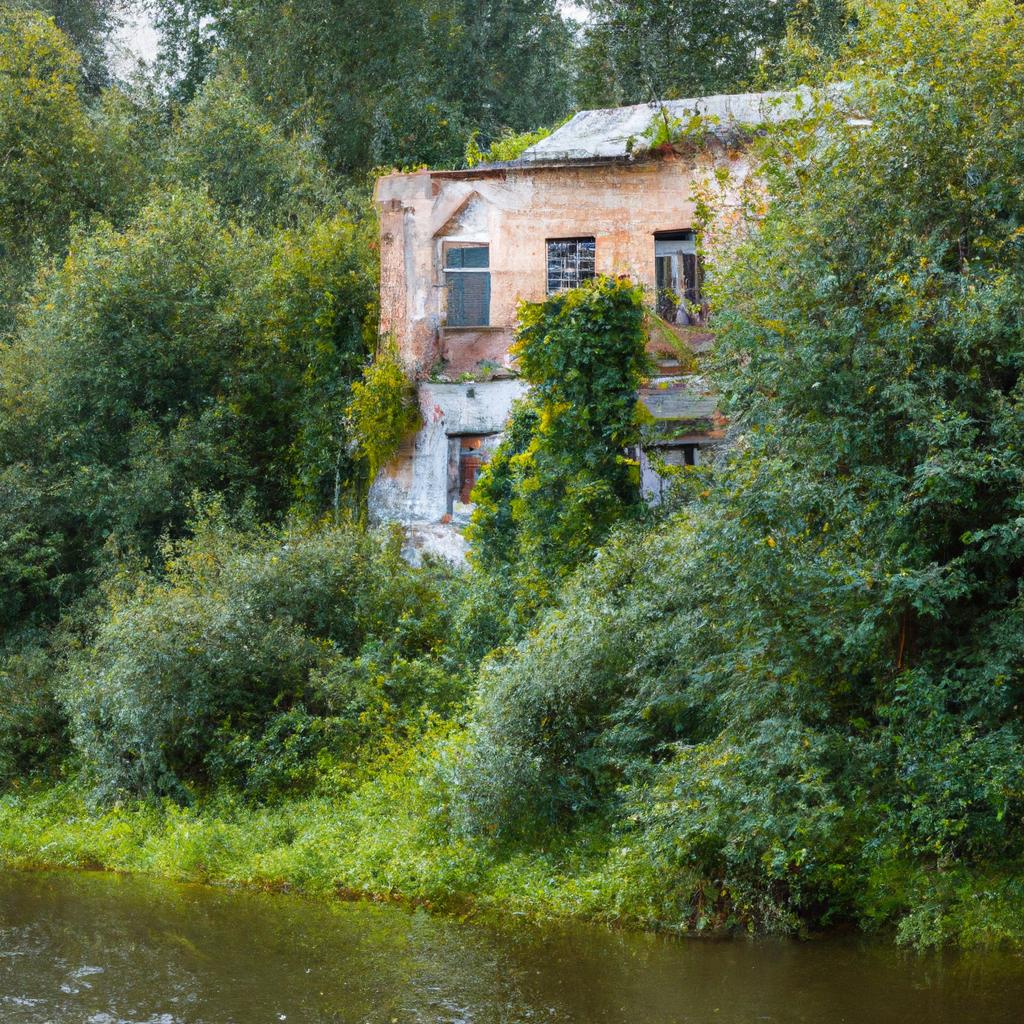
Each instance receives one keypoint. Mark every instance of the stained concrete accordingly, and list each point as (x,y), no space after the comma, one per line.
(415,487)
(618,132)
(515,211)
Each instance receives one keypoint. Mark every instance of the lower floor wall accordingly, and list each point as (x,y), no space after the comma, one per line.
(427,485)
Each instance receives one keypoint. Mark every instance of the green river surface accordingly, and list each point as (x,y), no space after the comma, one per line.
(103,949)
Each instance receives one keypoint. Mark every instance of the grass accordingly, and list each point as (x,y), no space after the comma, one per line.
(381,838)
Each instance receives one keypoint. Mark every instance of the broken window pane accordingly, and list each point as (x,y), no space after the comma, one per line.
(468,280)
(668,287)
(677,274)
(571,261)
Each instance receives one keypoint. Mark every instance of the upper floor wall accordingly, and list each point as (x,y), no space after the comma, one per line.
(461,249)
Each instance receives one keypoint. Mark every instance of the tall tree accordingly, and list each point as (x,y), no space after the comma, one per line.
(89,25)
(62,156)
(48,146)
(827,640)
(636,51)
(507,64)
(397,83)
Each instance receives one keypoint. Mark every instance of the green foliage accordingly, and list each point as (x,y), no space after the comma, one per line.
(813,671)
(641,51)
(905,330)
(383,410)
(48,170)
(493,531)
(508,146)
(62,160)
(89,25)
(117,388)
(29,555)
(317,315)
(252,171)
(399,86)
(249,656)
(33,735)
(544,504)
(177,355)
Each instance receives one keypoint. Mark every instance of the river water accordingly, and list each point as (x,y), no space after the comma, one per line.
(99,949)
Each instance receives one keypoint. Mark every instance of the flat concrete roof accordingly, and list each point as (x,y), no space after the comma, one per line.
(618,132)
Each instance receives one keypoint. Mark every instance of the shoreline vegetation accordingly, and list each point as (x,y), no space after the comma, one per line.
(346,848)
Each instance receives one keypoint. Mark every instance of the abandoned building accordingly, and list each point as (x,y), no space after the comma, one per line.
(461,248)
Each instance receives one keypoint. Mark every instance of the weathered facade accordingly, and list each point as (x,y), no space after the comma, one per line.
(461,249)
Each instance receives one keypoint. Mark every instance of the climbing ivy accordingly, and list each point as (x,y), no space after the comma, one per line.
(382,411)
(561,478)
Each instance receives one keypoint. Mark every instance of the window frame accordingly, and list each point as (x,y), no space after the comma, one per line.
(686,270)
(451,273)
(467,451)
(591,240)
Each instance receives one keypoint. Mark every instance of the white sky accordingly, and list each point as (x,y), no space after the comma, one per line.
(138,36)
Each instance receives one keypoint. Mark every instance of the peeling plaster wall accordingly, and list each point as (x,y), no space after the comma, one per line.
(414,488)
(515,210)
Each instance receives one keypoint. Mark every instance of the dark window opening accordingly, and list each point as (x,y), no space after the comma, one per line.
(665,461)
(680,455)
(467,455)
(471,461)
(677,275)
(571,261)
(468,280)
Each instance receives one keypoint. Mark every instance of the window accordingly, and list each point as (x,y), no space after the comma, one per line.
(677,275)
(661,462)
(468,280)
(570,262)
(467,454)
(471,460)
(680,455)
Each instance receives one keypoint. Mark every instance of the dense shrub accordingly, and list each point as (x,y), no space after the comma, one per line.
(254,653)
(250,168)
(382,412)
(59,162)
(116,392)
(545,740)
(179,354)
(814,669)
(33,733)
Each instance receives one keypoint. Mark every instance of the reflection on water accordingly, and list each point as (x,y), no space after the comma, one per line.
(97,949)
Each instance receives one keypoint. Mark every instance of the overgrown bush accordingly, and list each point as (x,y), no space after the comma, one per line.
(58,161)
(253,654)
(382,412)
(561,479)
(814,669)
(251,169)
(180,354)
(33,728)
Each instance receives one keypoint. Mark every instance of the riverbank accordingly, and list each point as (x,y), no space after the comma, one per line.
(370,844)
(378,842)
(84,946)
